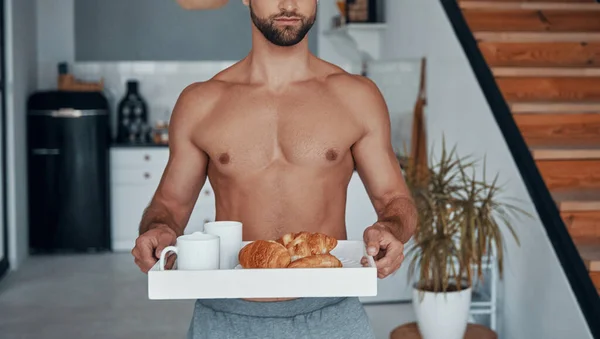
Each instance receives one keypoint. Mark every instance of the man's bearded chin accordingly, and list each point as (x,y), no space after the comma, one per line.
(282,36)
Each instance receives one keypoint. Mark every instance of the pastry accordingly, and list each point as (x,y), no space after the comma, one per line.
(304,244)
(317,261)
(264,254)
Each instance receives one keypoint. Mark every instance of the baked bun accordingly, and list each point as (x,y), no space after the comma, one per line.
(316,261)
(304,244)
(264,254)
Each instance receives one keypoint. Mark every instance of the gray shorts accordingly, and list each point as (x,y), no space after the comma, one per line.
(306,318)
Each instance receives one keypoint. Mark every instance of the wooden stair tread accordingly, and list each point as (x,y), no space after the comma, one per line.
(577,200)
(541,5)
(558,107)
(541,17)
(537,36)
(559,128)
(537,54)
(546,71)
(589,250)
(546,89)
(582,224)
(534,1)
(566,152)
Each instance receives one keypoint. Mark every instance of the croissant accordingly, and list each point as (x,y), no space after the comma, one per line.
(316,261)
(304,244)
(264,254)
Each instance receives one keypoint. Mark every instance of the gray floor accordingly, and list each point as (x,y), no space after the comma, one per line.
(104,296)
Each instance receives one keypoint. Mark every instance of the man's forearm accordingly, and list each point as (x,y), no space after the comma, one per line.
(399,214)
(156,215)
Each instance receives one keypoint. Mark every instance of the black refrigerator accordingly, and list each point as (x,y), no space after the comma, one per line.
(68,138)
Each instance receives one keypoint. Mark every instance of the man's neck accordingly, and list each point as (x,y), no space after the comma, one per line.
(277,66)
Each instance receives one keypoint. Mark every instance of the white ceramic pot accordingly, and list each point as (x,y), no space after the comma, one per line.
(442,315)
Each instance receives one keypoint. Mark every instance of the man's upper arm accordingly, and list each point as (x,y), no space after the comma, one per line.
(376,162)
(185,173)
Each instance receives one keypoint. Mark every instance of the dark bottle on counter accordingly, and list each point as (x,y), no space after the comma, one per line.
(132,113)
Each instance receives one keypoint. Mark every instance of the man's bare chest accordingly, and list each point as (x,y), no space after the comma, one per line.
(253,134)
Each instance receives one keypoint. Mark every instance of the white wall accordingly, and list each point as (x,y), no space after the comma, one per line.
(55,39)
(327,51)
(21,81)
(537,300)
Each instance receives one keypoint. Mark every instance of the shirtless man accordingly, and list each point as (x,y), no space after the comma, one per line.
(279,135)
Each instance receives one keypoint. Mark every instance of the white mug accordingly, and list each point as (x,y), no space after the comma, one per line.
(196,251)
(230,234)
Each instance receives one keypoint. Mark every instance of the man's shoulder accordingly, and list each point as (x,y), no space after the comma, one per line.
(197,101)
(201,95)
(204,90)
(356,91)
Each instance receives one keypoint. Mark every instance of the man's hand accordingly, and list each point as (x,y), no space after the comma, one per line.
(385,248)
(149,245)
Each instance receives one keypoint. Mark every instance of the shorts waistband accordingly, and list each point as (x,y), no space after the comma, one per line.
(271,309)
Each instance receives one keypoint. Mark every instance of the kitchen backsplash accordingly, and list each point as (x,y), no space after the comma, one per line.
(161,83)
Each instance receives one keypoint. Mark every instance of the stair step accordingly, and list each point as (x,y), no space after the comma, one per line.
(584,224)
(577,200)
(564,128)
(589,249)
(522,107)
(532,5)
(534,20)
(537,37)
(534,1)
(570,174)
(547,71)
(569,167)
(566,152)
(596,279)
(541,54)
(549,88)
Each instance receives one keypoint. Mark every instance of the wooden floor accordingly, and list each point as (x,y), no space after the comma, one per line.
(545,57)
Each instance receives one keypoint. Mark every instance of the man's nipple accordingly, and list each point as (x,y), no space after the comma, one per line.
(224,158)
(331,155)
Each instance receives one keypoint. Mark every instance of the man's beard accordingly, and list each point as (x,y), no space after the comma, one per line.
(283,36)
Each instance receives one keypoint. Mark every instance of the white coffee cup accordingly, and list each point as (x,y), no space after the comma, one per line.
(230,234)
(196,251)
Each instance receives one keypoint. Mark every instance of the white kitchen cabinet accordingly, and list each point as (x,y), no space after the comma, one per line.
(135,175)
(128,204)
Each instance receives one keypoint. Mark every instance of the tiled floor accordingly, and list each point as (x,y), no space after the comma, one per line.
(104,296)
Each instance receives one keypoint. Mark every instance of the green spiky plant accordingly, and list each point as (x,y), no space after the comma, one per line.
(459,223)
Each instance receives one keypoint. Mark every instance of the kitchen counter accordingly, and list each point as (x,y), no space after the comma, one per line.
(137,145)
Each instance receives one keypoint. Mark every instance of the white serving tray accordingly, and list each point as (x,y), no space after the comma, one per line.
(351,280)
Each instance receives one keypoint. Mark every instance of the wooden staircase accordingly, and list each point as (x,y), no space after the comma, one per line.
(545,57)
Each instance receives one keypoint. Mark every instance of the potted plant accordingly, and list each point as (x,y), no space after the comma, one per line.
(459,228)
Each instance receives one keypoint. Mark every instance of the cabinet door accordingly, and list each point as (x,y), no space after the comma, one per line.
(132,190)
(128,204)
(204,210)
(202,214)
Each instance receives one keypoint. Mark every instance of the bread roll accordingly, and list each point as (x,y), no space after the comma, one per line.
(321,243)
(264,254)
(317,261)
(304,244)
